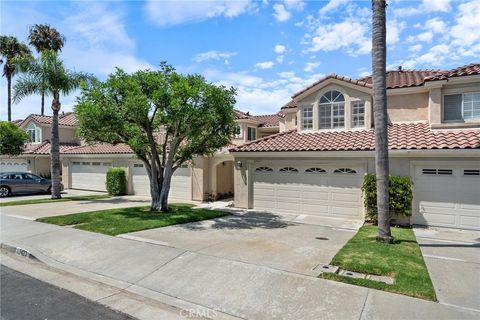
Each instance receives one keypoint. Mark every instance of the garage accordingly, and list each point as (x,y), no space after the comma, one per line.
(181,186)
(316,189)
(89,175)
(9,165)
(447,196)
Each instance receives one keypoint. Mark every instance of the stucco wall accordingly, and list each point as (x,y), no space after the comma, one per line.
(224,178)
(200,178)
(65,134)
(408,107)
(241,184)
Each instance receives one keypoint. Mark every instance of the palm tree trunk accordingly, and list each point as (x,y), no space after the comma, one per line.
(55,151)
(42,110)
(379,58)
(9,97)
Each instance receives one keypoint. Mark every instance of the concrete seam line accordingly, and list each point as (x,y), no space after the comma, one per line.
(449,241)
(39,234)
(445,258)
(364,304)
(460,307)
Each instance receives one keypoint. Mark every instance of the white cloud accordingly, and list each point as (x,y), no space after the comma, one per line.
(435,25)
(169,13)
(265,65)
(296,5)
(311,66)
(436,56)
(426,6)
(332,5)
(349,35)
(394,29)
(213,55)
(415,48)
(280,12)
(279,49)
(280,58)
(465,32)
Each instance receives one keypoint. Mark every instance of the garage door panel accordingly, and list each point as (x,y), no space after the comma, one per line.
(283,192)
(344,211)
(315,209)
(318,196)
(349,197)
(87,176)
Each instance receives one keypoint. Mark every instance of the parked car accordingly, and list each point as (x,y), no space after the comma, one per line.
(22,183)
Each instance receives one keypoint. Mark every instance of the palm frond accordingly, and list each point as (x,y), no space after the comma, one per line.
(25,86)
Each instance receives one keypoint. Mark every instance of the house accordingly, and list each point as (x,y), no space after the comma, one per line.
(85,166)
(36,158)
(315,165)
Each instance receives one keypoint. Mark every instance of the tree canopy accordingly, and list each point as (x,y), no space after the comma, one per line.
(12,139)
(165,117)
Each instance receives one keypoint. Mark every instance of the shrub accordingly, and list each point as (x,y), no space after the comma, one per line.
(116,182)
(400,196)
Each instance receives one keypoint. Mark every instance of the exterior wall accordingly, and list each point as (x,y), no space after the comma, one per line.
(242,198)
(408,107)
(200,175)
(289,119)
(224,178)
(265,132)
(243,138)
(66,134)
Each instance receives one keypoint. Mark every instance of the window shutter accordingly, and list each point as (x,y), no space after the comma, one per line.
(452,107)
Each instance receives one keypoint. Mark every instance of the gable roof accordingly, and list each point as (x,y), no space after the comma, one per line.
(407,136)
(268,120)
(65,119)
(359,82)
(44,147)
(101,148)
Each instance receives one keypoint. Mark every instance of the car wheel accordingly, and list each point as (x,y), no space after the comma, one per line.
(49,190)
(4,191)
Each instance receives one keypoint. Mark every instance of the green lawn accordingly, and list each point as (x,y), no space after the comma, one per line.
(402,260)
(47,200)
(123,220)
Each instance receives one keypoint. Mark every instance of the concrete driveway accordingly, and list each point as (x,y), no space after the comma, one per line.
(259,238)
(65,193)
(453,261)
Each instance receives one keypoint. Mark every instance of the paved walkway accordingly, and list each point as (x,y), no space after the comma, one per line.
(66,193)
(234,289)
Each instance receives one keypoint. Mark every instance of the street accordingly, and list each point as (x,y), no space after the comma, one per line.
(23,297)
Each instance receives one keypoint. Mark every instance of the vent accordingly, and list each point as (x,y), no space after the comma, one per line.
(471,172)
(437,171)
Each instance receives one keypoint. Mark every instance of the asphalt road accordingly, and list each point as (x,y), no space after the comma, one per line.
(26,298)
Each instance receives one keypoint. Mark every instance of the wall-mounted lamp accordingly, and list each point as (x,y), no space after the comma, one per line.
(239,163)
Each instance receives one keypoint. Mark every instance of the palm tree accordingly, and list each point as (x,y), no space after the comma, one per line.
(49,73)
(10,50)
(379,61)
(43,37)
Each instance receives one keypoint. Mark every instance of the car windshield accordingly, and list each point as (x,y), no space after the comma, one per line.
(29,176)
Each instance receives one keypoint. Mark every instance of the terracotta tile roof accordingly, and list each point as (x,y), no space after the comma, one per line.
(467,70)
(291,104)
(44,147)
(401,136)
(241,115)
(405,78)
(334,76)
(101,148)
(268,120)
(65,119)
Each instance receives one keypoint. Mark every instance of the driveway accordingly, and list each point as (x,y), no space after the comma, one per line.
(259,238)
(453,261)
(66,193)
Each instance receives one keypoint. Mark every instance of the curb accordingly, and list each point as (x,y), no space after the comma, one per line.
(21,252)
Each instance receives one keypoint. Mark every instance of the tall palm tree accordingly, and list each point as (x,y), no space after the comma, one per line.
(10,50)
(49,73)
(43,37)
(379,61)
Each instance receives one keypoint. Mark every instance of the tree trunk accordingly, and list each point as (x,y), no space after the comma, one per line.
(167,179)
(9,97)
(42,110)
(379,57)
(154,192)
(55,151)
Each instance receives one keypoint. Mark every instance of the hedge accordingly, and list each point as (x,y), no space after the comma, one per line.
(116,182)
(400,196)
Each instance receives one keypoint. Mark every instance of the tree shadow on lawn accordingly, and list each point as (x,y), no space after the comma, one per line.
(260,220)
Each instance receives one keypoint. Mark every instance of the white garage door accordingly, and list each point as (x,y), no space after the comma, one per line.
(323,190)
(447,196)
(181,186)
(88,175)
(7,165)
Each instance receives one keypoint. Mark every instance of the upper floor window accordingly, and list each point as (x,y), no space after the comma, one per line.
(238,131)
(459,107)
(34,133)
(332,110)
(307,118)
(251,134)
(358,114)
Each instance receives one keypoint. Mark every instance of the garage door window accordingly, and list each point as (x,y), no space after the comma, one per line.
(76,163)
(264,169)
(437,171)
(471,172)
(288,170)
(345,171)
(138,165)
(315,170)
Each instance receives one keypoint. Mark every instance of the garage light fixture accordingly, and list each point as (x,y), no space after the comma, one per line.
(239,163)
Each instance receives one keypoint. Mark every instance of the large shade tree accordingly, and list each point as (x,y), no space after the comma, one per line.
(12,139)
(165,117)
(379,62)
(43,37)
(49,73)
(11,49)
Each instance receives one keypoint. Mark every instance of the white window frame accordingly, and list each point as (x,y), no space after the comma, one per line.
(249,129)
(307,118)
(463,105)
(335,107)
(37,133)
(358,119)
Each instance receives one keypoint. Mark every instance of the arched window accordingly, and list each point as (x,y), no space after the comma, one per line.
(315,170)
(345,171)
(264,169)
(332,110)
(288,170)
(34,133)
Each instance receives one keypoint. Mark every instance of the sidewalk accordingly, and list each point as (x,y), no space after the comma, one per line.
(189,280)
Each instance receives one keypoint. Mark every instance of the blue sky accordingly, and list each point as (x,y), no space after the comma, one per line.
(267,49)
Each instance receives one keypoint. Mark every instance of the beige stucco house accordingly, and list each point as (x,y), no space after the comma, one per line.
(316,163)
